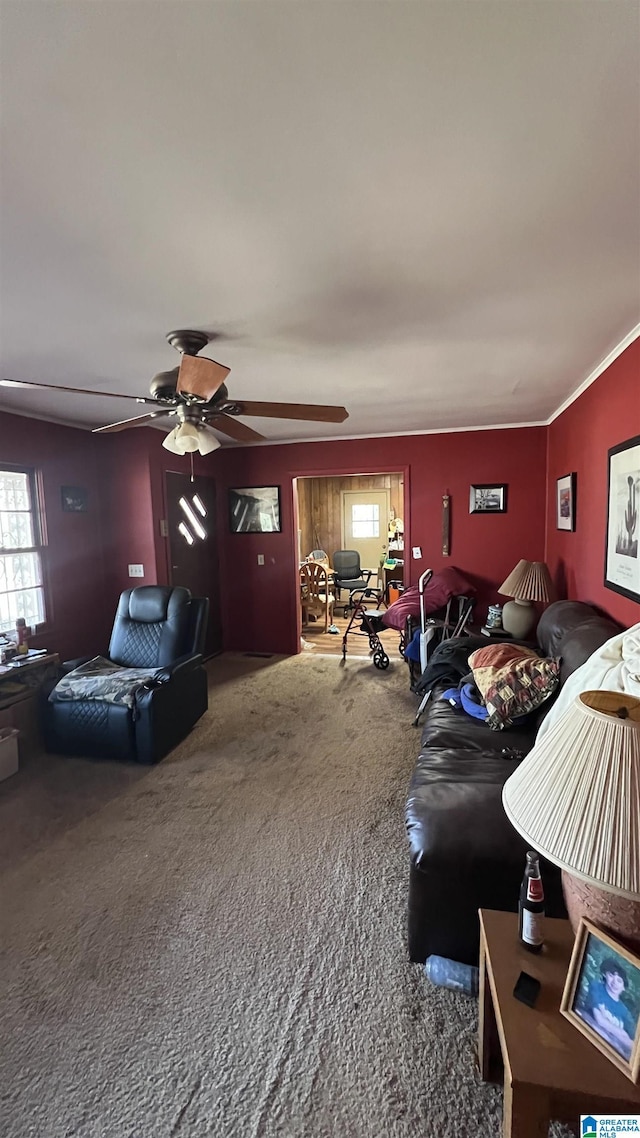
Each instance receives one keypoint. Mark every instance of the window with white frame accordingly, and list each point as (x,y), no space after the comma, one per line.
(365,520)
(21,584)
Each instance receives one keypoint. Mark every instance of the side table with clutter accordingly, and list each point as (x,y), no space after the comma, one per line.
(23,671)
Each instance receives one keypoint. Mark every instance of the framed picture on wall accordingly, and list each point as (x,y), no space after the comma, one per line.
(74,499)
(566,502)
(488,498)
(255,509)
(622,564)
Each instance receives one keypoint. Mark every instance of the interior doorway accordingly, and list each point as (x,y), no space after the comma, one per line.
(364,512)
(193,549)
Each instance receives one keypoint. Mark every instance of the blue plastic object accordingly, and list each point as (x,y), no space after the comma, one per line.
(451,974)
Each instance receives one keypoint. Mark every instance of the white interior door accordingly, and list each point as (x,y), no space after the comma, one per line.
(365,524)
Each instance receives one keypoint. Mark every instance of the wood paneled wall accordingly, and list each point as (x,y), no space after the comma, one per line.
(320,506)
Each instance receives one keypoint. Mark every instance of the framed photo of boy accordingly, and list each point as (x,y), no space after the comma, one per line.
(566,502)
(602,997)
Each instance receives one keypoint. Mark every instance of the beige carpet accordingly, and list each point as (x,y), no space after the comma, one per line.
(216,946)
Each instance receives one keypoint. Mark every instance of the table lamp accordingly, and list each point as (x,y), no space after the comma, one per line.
(530,581)
(575,799)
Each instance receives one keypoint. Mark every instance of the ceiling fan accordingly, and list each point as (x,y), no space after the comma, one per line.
(194,398)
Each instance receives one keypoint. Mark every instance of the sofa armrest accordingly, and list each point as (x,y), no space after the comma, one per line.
(178,667)
(165,712)
(70,665)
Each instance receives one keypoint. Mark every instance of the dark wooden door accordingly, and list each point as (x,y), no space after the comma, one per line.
(193,549)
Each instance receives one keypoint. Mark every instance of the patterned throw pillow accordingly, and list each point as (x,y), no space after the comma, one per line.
(487,662)
(513,681)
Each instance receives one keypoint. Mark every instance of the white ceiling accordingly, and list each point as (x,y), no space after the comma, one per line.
(429,212)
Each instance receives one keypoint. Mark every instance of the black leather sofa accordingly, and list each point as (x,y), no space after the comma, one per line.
(156,627)
(465,855)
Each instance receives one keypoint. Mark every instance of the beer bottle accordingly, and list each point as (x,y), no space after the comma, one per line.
(531,905)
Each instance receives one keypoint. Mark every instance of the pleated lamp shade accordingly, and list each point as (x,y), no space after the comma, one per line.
(576,796)
(529,581)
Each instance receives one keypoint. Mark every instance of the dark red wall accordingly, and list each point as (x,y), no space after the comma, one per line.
(605,414)
(161,461)
(129,520)
(88,554)
(134,464)
(78,620)
(259,602)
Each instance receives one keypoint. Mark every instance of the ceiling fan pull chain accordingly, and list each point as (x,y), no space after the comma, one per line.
(191,457)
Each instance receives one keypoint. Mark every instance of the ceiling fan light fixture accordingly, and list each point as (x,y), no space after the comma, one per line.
(170,442)
(182,439)
(208,441)
(187,438)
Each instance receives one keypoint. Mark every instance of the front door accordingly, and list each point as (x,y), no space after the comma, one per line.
(365,524)
(193,550)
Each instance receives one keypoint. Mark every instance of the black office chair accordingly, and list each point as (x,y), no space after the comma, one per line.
(159,629)
(348,574)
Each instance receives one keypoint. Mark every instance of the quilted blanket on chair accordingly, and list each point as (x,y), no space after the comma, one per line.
(101,679)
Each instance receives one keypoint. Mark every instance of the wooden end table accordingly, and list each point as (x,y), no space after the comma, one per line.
(19,687)
(550,1070)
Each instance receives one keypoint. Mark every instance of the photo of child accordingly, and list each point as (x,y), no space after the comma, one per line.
(607,996)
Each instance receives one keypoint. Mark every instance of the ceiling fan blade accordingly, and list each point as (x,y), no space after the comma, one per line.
(124,424)
(312,412)
(200,376)
(74,390)
(234,429)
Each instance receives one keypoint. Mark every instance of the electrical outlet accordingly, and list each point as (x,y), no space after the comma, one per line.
(136,570)
(261,559)
(417,552)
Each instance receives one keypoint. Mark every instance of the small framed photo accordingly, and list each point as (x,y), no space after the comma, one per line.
(602,997)
(622,563)
(255,509)
(488,498)
(74,499)
(566,502)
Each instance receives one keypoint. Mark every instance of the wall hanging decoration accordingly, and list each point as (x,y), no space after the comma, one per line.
(622,564)
(602,997)
(446,524)
(74,499)
(255,509)
(488,498)
(566,502)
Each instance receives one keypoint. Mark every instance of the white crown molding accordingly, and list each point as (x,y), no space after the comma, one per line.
(597,372)
(394,434)
(626,341)
(44,419)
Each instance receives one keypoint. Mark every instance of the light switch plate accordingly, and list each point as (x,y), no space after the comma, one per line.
(261,559)
(136,570)
(164,527)
(417,551)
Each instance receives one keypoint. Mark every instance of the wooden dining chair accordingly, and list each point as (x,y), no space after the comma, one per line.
(316,596)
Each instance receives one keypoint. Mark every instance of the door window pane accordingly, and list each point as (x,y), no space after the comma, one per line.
(365,520)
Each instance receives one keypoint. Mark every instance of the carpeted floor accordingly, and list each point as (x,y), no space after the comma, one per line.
(215,946)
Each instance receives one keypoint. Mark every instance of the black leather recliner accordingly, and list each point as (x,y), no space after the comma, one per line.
(156,627)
